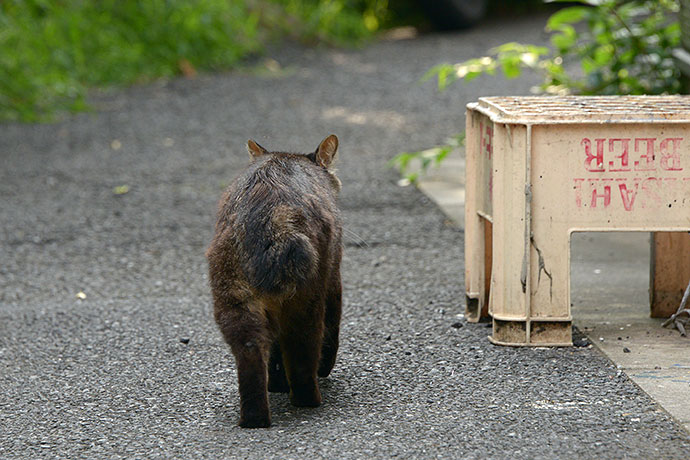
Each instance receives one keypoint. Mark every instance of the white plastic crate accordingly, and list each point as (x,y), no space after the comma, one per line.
(540,168)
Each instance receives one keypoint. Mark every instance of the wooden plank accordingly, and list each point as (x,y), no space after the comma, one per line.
(670,272)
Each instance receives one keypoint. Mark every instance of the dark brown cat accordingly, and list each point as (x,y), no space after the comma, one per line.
(274,266)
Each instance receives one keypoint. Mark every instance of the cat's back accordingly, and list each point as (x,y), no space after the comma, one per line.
(277,220)
(280,181)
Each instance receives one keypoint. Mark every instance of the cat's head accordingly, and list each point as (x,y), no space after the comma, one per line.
(324,155)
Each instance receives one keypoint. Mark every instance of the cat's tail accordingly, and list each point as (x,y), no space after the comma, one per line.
(281,256)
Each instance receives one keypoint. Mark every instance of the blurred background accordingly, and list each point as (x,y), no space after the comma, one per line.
(51,51)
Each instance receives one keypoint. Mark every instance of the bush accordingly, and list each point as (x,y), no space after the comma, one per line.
(338,22)
(597,47)
(51,51)
(624,48)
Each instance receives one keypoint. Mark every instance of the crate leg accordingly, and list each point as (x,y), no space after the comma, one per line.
(488,254)
(474,266)
(477,268)
(669,272)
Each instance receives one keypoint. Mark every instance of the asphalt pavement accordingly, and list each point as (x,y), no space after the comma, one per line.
(107,343)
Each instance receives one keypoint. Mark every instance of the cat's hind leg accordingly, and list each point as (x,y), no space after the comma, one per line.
(245,329)
(329,349)
(301,337)
(277,381)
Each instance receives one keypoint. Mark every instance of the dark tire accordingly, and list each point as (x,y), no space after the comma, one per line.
(455,14)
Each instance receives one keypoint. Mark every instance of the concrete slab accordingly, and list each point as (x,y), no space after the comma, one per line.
(609,298)
(669,387)
(445,185)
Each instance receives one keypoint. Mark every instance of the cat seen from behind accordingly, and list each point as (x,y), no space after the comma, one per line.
(274,266)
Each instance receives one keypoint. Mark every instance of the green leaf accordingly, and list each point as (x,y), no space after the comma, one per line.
(442,153)
(469,76)
(433,71)
(511,67)
(588,65)
(566,39)
(566,16)
(401,160)
(443,74)
(509,47)
(412,177)
(603,55)
(413,164)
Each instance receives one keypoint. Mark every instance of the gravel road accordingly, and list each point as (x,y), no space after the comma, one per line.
(107,375)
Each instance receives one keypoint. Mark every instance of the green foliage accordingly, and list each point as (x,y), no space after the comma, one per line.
(510,58)
(51,51)
(623,47)
(413,164)
(339,22)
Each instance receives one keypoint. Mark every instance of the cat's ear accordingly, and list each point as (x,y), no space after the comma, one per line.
(254,149)
(325,154)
